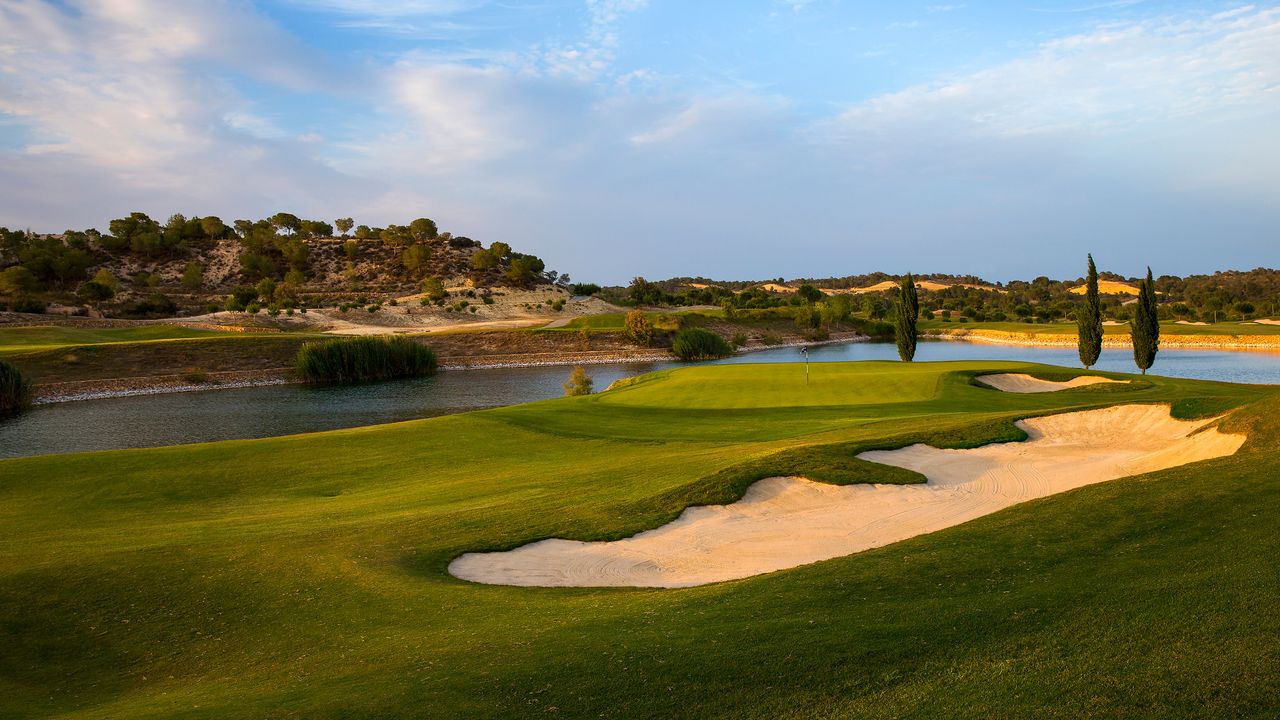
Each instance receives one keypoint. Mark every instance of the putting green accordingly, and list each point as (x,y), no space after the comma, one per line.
(306,576)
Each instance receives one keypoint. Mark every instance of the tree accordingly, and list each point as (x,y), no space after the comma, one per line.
(18,281)
(637,328)
(193,276)
(433,289)
(1089,320)
(344,225)
(580,383)
(500,249)
(1145,326)
(266,289)
(213,227)
(364,232)
(397,236)
(809,293)
(415,257)
(95,293)
(351,248)
(483,260)
(286,222)
(424,229)
(104,277)
(524,270)
(908,311)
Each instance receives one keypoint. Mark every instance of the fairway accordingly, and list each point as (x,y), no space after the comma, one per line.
(306,576)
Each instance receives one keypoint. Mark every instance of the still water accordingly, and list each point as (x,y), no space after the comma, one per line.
(147,421)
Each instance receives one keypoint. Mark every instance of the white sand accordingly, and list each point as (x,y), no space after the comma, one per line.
(1188,322)
(1268,322)
(785,522)
(1021,383)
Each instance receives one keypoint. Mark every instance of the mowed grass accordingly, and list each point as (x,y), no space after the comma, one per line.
(305,576)
(49,337)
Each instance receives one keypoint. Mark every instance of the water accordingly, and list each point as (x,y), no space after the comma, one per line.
(152,420)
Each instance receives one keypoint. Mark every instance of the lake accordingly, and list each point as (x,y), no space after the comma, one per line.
(175,418)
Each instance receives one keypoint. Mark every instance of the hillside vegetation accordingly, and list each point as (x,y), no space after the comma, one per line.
(144,268)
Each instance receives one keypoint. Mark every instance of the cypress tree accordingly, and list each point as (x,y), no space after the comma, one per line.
(1089,320)
(905,323)
(1146,326)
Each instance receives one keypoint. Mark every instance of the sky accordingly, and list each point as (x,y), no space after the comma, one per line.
(742,139)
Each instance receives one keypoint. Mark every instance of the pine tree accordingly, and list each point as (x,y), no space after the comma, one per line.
(905,324)
(1146,326)
(1089,320)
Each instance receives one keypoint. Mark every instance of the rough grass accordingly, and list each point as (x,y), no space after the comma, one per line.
(700,344)
(360,359)
(304,576)
(15,390)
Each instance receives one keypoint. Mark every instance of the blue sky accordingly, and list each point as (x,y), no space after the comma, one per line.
(622,137)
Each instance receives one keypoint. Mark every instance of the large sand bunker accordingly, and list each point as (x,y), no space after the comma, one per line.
(1022,383)
(785,522)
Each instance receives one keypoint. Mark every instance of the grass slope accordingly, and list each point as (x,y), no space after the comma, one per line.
(304,576)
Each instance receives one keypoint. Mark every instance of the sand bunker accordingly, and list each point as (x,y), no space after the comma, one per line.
(785,522)
(1021,383)
(1268,322)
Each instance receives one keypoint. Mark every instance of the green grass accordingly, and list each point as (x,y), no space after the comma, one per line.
(31,339)
(305,576)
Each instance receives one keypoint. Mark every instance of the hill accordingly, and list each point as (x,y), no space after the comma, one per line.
(186,266)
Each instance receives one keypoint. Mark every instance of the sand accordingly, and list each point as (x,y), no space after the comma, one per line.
(1268,322)
(1020,383)
(785,522)
(1188,322)
(1108,287)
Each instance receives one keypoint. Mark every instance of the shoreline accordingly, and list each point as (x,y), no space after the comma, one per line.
(78,390)
(1171,342)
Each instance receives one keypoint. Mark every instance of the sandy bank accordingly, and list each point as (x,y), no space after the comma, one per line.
(785,522)
(1031,339)
(1023,383)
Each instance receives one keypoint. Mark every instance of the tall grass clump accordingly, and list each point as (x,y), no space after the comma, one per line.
(357,359)
(15,390)
(700,344)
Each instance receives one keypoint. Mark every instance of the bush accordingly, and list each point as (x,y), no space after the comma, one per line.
(580,383)
(700,344)
(359,359)
(637,328)
(584,288)
(15,390)
(29,305)
(739,339)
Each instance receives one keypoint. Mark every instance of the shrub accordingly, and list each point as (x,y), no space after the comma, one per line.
(488,299)
(637,328)
(558,305)
(580,383)
(700,344)
(253,308)
(358,359)
(771,338)
(15,390)
(739,339)
(584,288)
(29,305)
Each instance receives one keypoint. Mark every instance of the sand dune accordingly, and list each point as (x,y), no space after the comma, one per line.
(1021,383)
(785,522)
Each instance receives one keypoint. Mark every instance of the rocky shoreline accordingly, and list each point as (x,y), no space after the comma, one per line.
(72,391)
